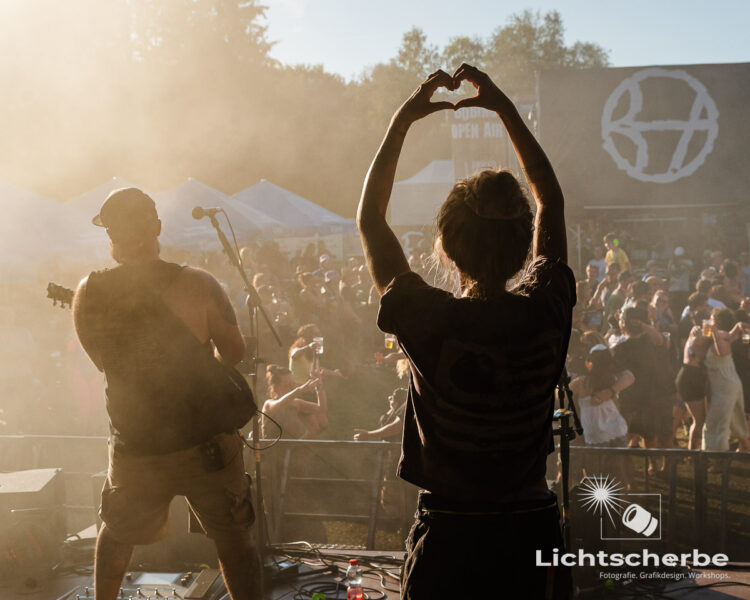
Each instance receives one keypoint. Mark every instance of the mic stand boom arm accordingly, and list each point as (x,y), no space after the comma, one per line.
(254,298)
(254,306)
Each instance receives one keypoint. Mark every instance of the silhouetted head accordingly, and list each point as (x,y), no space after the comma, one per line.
(279,380)
(485,228)
(610,241)
(612,271)
(129,215)
(633,318)
(723,318)
(601,368)
(398,397)
(308,332)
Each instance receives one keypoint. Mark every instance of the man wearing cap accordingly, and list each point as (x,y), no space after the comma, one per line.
(149,326)
(325,265)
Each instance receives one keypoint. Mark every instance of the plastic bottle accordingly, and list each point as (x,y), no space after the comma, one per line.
(354,589)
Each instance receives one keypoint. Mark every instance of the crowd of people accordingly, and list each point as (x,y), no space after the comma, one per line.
(663,347)
(656,349)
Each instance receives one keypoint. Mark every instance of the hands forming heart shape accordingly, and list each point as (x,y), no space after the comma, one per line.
(488,95)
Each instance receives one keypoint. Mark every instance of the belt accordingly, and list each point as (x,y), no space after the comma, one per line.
(428,504)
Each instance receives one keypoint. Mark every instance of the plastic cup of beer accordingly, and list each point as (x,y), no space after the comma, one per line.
(746,337)
(707,327)
(390,341)
(318,345)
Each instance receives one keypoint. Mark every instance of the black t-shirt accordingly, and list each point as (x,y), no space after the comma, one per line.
(478,421)
(638,355)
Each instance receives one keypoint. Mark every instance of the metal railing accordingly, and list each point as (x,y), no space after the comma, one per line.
(701,461)
(343,480)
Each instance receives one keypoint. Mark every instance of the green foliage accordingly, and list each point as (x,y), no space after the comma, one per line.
(156,91)
(464,49)
(530,43)
(415,56)
(167,30)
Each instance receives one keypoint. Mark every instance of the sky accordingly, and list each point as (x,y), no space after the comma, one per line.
(347,36)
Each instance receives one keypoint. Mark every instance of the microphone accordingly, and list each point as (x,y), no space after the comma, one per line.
(199,212)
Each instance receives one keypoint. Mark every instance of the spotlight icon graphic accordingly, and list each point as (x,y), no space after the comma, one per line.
(622,515)
(638,519)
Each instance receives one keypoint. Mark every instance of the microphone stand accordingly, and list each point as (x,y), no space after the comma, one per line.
(566,433)
(254,306)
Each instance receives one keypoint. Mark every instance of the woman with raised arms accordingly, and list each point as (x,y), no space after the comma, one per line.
(484,362)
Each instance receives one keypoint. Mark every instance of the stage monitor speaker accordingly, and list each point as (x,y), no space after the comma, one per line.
(32,520)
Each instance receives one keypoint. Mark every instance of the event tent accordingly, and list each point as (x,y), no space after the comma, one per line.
(37,228)
(28,226)
(415,201)
(82,239)
(175,208)
(297,215)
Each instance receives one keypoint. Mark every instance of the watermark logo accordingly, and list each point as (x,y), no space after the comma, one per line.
(622,516)
(703,119)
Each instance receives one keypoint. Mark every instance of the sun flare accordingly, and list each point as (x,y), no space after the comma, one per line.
(602,494)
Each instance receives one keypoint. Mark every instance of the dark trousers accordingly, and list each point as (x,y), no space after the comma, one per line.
(455,554)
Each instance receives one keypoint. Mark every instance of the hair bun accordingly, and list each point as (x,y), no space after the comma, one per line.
(495,195)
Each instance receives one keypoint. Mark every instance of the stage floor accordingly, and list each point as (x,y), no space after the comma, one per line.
(298,576)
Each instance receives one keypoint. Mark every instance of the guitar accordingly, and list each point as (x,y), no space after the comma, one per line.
(58,293)
(234,405)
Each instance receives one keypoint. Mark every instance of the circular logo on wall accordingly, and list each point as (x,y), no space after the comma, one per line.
(703,117)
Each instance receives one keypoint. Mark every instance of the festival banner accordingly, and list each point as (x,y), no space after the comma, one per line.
(648,136)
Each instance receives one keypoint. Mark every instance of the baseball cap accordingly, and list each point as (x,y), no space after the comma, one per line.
(126,208)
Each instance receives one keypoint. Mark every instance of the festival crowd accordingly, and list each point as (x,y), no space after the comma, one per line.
(659,355)
(663,348)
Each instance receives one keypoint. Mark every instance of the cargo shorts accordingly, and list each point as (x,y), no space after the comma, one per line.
(138,490)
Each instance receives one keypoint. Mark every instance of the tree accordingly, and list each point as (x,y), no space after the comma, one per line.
(415,56)
(586,54)
(160,90)
(463,50)
(530,43)
(168,30)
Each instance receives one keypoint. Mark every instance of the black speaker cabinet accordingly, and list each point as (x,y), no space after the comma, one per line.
(32,520)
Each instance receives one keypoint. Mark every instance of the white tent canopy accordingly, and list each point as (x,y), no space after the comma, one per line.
(415,201)
(37,228)
(179,229)
(175,208)
(297,215)
(87,205)
(28,225)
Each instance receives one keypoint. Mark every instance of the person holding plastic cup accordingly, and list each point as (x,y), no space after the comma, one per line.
(726,407)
